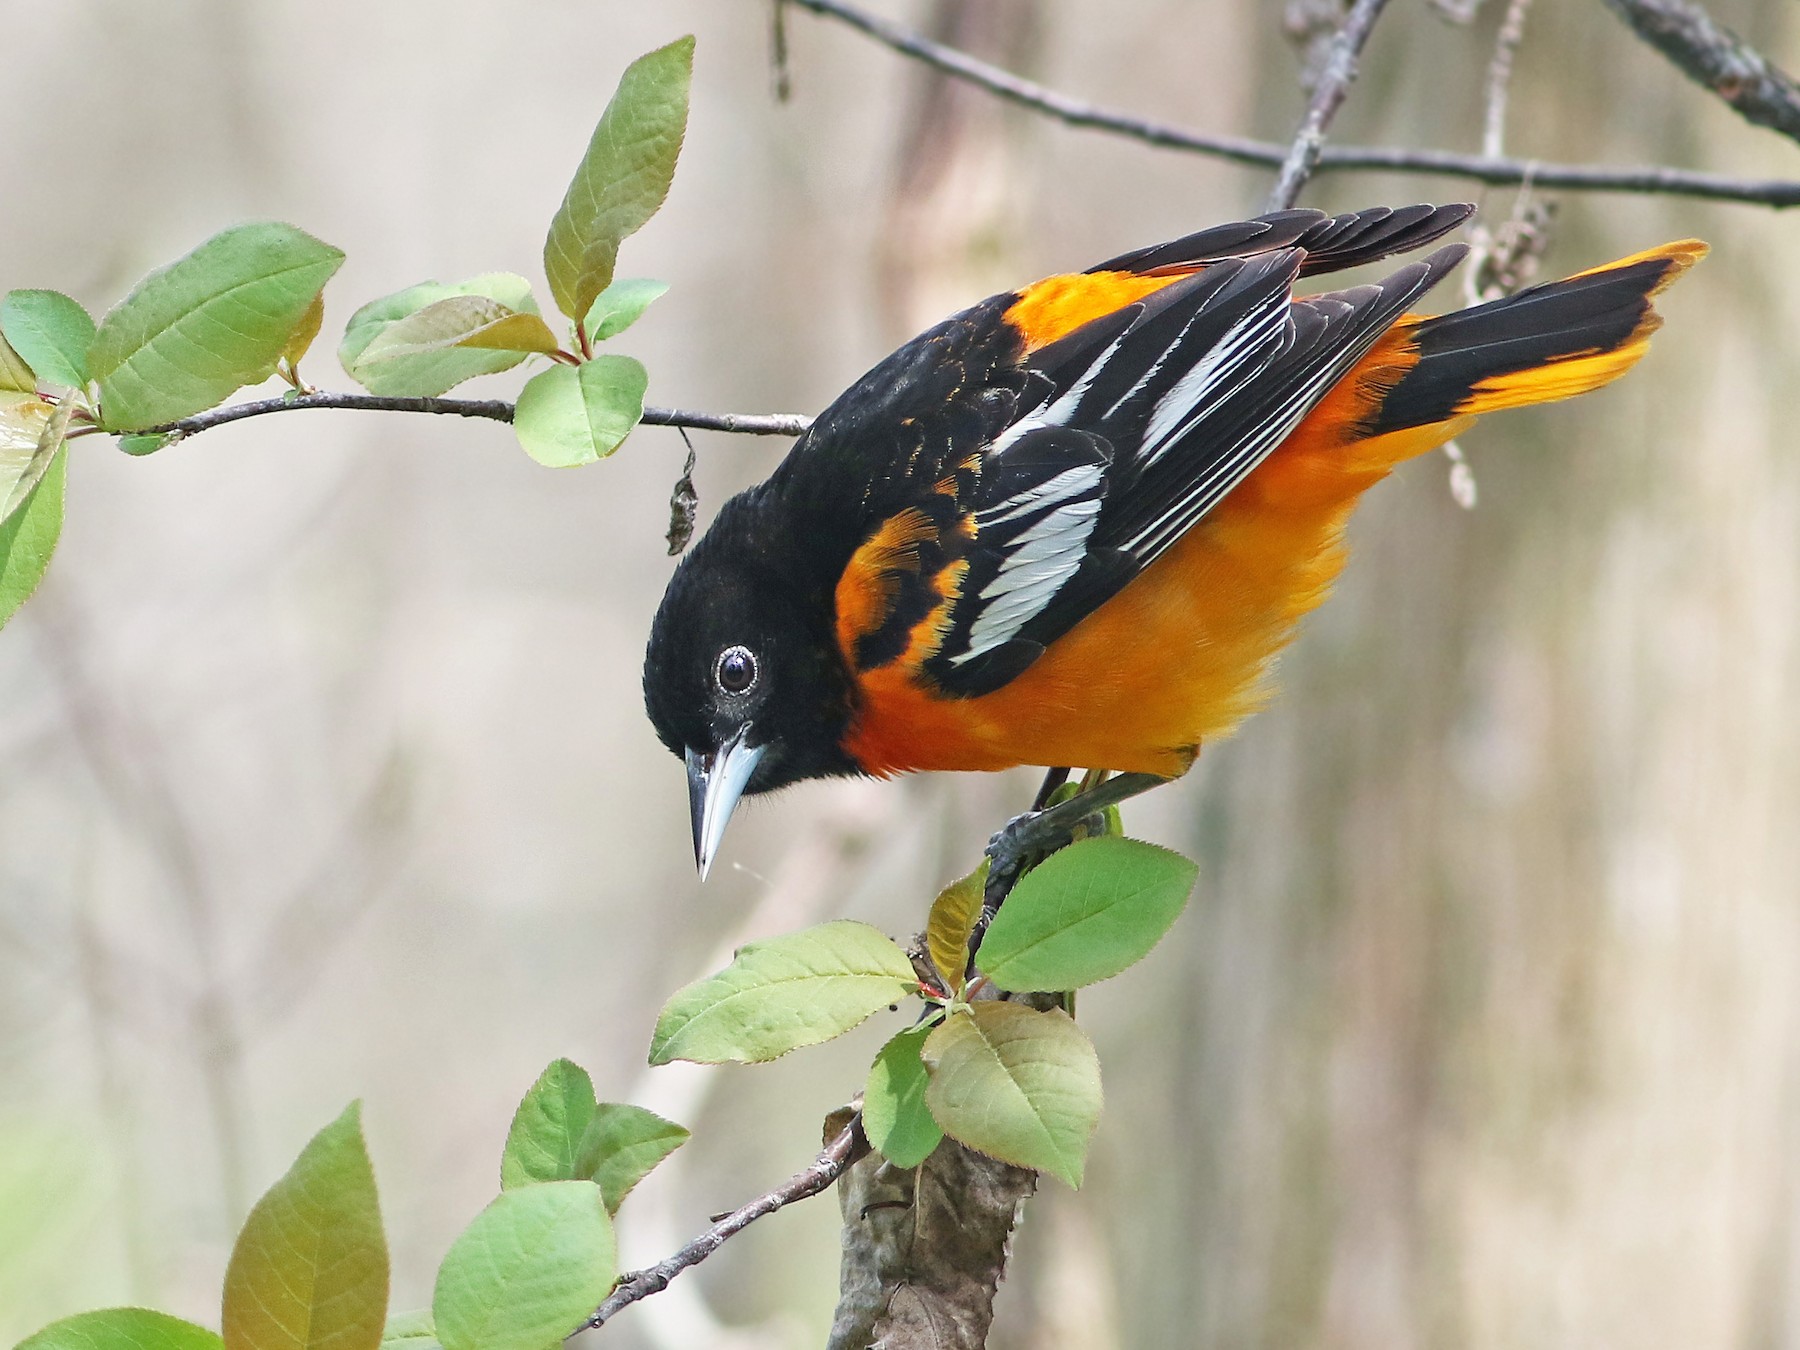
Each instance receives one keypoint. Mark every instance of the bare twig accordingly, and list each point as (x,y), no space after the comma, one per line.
(1499,86)
(498,410)
(745,424)
(1711,55)
(1241,150)
(849,1145)
(1328,96)
(1503,260)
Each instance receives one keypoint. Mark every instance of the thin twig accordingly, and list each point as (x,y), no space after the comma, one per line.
(746,424)
(1499,81)
(849,1145)
(1335,79)
(1382,159)
(498,410)
(1713,56)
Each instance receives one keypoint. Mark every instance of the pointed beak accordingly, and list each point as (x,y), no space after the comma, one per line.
(715,782)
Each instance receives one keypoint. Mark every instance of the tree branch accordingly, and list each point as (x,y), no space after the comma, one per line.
(1241,150)
(498,410)
(1335,79)
(849,1144)
(925,1249)
(1713,56)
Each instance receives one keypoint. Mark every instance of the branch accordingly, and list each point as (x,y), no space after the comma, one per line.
(849,1145)
(746,424)
(1240,150)
(498,410)
(1713,56)
(1328,96)
(925,1249)
(1500,67)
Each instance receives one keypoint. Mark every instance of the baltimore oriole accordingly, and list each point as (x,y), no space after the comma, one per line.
(1073,524)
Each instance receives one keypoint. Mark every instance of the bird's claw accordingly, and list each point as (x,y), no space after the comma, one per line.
(1023,843)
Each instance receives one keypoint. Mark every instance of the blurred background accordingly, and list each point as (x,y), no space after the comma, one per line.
(324,773)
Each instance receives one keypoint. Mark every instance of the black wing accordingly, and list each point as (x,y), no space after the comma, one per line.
(1053,477)
(1151,417)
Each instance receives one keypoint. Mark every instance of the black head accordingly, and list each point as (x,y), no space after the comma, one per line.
(742,677)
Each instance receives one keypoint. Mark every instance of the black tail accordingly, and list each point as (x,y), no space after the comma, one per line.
(1547,342)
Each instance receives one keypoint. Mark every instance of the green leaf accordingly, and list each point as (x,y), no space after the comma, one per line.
(619,306)
(622,1146)
(433,372)
(15,375)
(310,1268)
(895,1116)
(623,178)
(28,538)
(208,324)
(51,333)
(1016,1084)
(122,1329)
(460,321)
(544,1142)
(783,993)
(1085,913)
(952,923)
(410,1331)
(528,1271)
(569,415)
(146,442)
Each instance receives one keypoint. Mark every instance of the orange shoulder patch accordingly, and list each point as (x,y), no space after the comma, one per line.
(1057,306)
(871,582)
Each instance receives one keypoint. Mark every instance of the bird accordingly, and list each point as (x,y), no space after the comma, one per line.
(1075,523)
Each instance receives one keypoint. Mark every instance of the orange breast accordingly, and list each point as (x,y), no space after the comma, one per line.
(1180,655)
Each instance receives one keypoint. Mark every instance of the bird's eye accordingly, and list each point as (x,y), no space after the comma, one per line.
(736,670)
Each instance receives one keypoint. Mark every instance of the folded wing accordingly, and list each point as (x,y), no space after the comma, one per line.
(1137,424)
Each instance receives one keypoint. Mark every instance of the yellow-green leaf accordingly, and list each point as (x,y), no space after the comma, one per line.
(895,1116)
(432,371)
(783,993)
(460,321)
(28,538)
(196,331)
(122,1329)
(24,461)
(1016,1084)
(952,922)
(301,339)
(623,178)
(570,415)
(15,375)
(310,1269)
(528,1271)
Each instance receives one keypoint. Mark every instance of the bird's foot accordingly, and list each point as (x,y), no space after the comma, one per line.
(1028,839)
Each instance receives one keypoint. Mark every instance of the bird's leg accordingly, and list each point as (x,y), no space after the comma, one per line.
(1040,832)
(1053,779)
